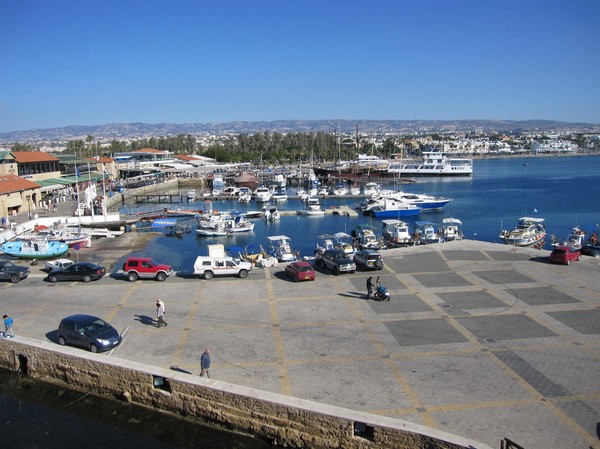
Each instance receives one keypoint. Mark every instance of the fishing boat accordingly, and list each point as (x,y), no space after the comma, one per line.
(215,230)
(366,238)
(345,242)
(280,247)
(239,224)
(452,229)
(72,236)
(426,233)
(575,239)
(528,232)
(396,233)
(34,249)
(434,163)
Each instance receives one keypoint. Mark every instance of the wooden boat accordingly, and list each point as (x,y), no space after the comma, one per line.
(34,249)
(528,232)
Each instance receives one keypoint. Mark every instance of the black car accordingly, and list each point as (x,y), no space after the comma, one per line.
(87,331)
(82,271)
(368,259)
(590,250)
(11,272)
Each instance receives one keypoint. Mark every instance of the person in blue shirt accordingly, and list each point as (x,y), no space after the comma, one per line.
(205,363)
(8,323)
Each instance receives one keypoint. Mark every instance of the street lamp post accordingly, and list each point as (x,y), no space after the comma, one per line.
(28,198)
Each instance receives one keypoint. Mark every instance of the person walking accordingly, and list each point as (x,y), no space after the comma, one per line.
(369,287)
(8,324)
(205,363)
(378,282)
(160,312)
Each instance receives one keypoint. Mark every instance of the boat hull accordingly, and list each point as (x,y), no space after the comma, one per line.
(33,250)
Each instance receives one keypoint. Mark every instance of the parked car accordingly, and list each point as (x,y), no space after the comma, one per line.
(58,263)
(590,250)
(368,259)
(300,271)
(11,272)
(564,254)
(337,261)
(146,268)
(208,267)
(82,271)
(87,331)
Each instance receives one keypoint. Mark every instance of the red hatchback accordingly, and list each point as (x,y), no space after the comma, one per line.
(300,271)
(564,255)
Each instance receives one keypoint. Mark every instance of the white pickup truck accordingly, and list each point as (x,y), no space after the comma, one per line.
(208,267)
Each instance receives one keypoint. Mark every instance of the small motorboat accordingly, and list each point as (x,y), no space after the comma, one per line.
(271,213)
(313,208)
(425,233)
(452,229)
(396,233)
(280,247)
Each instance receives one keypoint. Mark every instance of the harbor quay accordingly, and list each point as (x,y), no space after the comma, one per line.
(479,340)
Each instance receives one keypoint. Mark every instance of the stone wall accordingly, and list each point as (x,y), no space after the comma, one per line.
(281,419)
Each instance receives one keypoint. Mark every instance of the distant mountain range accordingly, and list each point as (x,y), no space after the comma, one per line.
(138,130)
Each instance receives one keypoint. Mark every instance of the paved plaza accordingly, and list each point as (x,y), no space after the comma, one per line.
(479,339)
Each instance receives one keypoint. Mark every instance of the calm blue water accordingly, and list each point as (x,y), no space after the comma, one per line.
(563,190)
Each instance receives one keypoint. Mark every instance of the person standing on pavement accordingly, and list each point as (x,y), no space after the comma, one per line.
(369,287)
(205,363)
(160,312)
(8,324)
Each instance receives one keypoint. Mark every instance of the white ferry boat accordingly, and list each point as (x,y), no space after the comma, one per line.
(433,164)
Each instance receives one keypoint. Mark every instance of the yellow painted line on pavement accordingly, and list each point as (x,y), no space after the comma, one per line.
(122,302)
(187,328)
(400,379)
(278,340)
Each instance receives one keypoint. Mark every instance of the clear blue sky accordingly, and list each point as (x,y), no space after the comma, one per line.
(78,62)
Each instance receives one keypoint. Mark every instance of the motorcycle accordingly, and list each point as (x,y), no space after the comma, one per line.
(382,294)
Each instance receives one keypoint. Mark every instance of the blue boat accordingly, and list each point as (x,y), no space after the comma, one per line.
(34,249)
(394,208)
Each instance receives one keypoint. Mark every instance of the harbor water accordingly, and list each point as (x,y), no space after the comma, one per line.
(562,190)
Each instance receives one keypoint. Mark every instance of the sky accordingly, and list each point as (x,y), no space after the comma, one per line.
(74,62)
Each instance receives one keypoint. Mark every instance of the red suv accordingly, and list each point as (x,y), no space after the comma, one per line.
(146,268)
(564,255)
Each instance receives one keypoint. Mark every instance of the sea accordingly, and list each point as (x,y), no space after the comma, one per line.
(564,190)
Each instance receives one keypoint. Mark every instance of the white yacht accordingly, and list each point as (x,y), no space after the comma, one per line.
(262,194)
(433,164)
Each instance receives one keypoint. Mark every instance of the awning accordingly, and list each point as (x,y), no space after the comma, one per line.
(51,181)
(49,185)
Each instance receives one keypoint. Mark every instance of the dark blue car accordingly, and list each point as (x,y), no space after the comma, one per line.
(87,331)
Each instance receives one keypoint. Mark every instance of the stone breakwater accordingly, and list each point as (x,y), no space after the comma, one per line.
(277,418)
